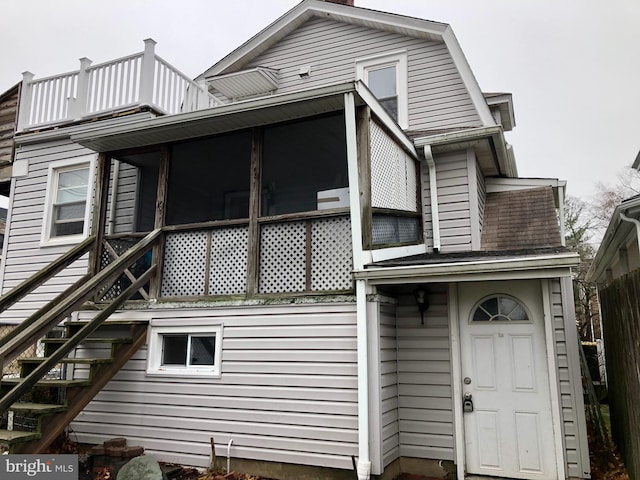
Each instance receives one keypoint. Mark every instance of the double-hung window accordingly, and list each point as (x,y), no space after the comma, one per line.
(66,217)
(386,77)
(177,350)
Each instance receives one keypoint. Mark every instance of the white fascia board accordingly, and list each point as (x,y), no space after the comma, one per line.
(309,8)
(543,266)
(390,124)
(469,80)
(613,238)
(62,133)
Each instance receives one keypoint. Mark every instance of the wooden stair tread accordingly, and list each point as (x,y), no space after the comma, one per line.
(106,323)
(49,382)
(15,436)
(39,408)
(68,360)
(91,340)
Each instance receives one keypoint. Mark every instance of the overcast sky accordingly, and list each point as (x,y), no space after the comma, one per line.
(573,66)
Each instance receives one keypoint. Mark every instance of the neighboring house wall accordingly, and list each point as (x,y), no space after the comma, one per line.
(619,301)
(454,205)
(24,253)
(288,391)
(437,95)
(8,121)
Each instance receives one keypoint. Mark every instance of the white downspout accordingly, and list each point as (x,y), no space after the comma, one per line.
(364,458)
(433,190)
(114,194)
(636,223)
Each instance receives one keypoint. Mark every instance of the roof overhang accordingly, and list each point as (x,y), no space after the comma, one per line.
(211,121)
(147,130)
(493,155)
(616,235)
(503,102)
(514,268)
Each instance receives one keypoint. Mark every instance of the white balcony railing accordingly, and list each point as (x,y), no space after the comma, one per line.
(139,79)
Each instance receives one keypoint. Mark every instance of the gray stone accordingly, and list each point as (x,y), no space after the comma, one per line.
(145,467)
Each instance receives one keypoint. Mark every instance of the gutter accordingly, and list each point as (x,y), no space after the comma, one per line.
(494,133)
(433,190)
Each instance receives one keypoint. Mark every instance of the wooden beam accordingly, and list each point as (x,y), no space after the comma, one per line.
(99,210)
(363,133)
(155,288)
(253,253)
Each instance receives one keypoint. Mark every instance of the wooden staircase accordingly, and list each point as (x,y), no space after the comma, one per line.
(52,390)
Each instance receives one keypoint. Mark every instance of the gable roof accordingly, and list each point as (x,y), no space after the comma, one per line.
(401,24)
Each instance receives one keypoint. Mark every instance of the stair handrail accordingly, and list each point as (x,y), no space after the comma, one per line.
(30,380)
(38,278)
(50,315)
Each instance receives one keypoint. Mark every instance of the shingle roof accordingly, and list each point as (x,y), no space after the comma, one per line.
(520,219)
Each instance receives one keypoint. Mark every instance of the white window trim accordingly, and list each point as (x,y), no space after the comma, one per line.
(154,352)
(45,238)
(399,60)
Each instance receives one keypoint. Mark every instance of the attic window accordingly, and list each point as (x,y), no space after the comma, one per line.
(386,77)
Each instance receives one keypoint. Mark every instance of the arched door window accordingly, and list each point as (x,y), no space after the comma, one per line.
(500,308)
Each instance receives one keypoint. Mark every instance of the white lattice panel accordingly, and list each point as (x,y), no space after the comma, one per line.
(228,274)
(393,173)
(184,269)
(331,254)
(282,258)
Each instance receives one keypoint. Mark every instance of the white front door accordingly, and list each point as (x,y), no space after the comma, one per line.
(509,433)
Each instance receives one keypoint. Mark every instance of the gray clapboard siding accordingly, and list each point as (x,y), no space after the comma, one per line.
(127,183)
(424,379)
(24,255)
(431,71)
(569,410)
(288,389)
(454,205)
(389,385)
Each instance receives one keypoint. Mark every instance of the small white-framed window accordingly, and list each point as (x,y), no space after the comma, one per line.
(67,200)
(500,308)
(185,350)
(386,77)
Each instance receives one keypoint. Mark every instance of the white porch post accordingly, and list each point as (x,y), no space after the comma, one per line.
(147,72)
(364,458)
(24,112)
(78,105)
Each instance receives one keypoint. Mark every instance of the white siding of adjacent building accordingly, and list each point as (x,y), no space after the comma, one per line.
(437,95)
(288,391)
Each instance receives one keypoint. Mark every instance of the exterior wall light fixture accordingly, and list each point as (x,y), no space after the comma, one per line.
(420,294)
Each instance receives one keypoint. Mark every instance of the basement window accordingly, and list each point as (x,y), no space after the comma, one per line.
(66,215)
(180,351)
